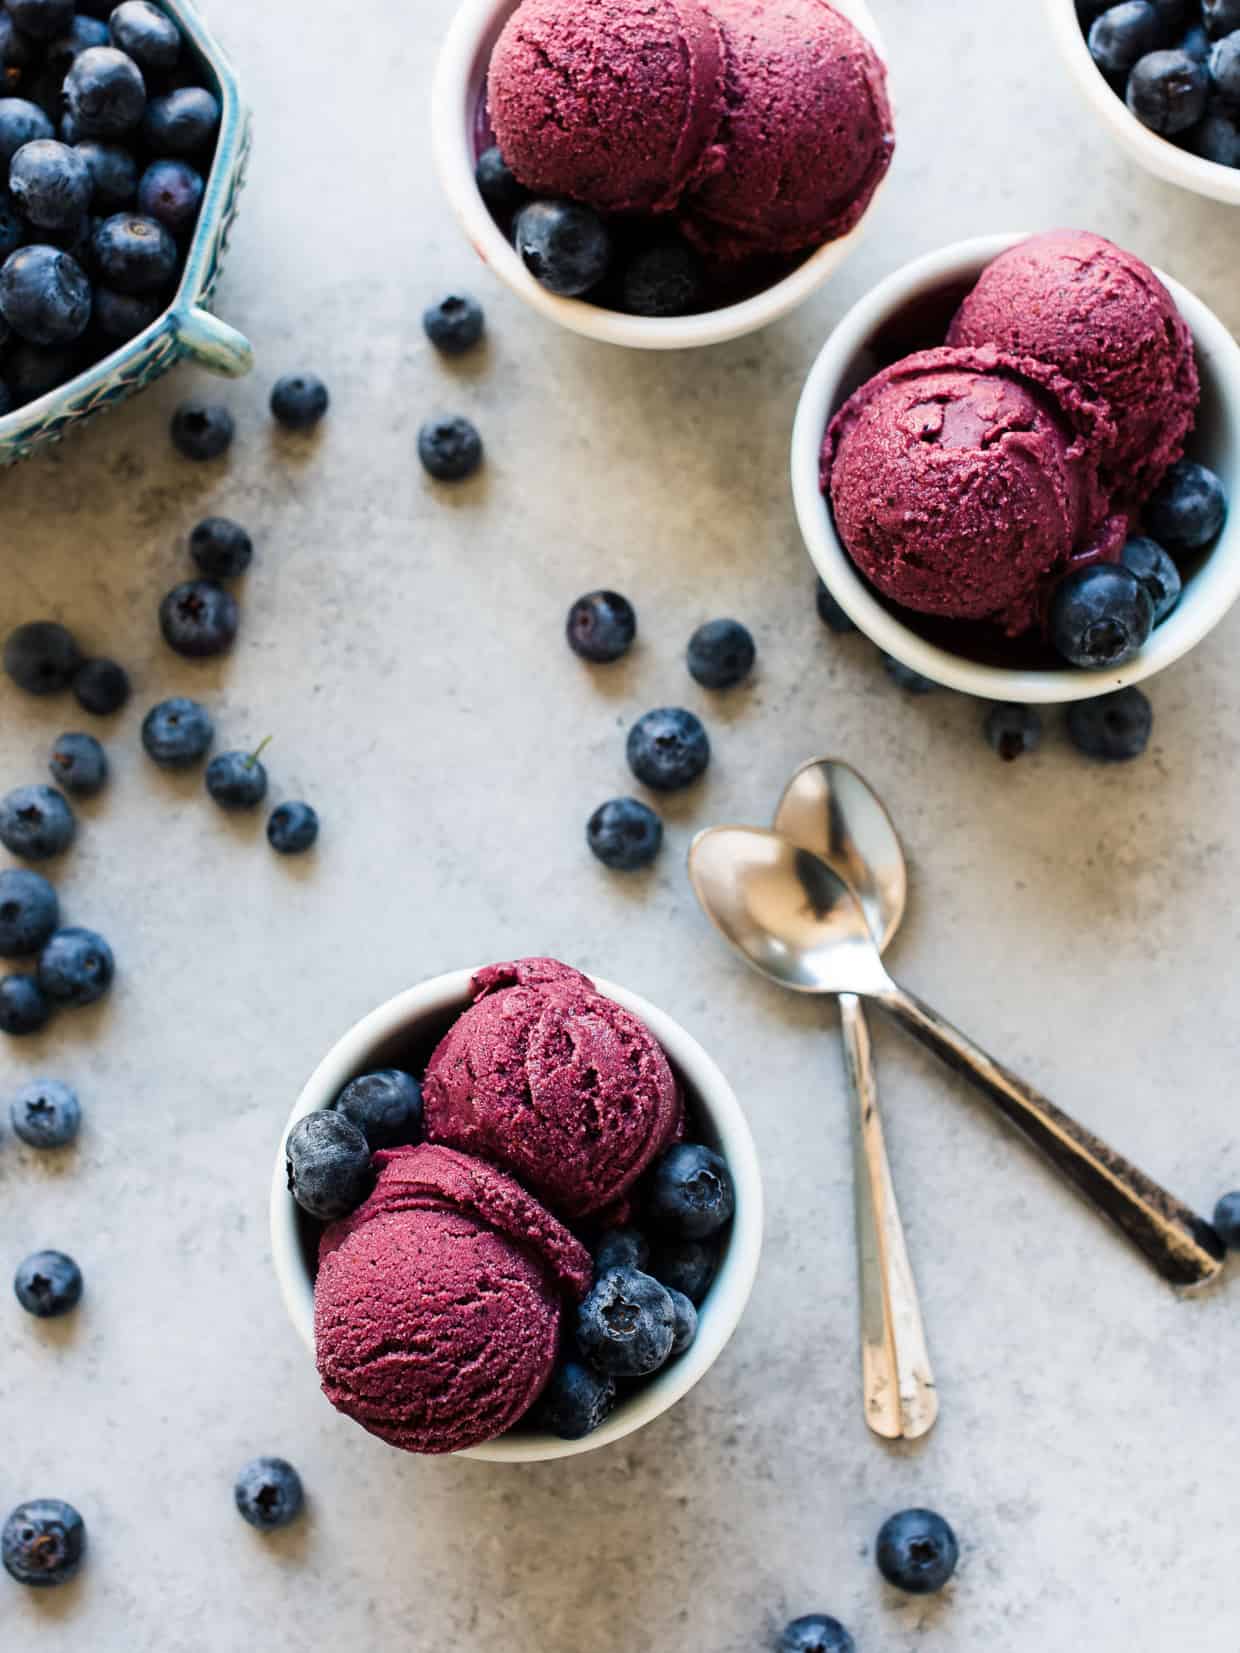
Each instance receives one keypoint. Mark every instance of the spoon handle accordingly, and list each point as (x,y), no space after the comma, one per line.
(1181,1245)
(900,1396)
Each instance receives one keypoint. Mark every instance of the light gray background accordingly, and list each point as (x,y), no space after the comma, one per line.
(403,646)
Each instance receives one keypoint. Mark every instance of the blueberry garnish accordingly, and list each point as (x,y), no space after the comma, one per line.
(1157,573)
(455,324)
(721,654)
(627,1325)
(686,1266)
(690,1194)
(327,1159)
(386,1107)
(668,749)
(664,280)
(1188,509)
(575,1402)
(566,247)
(1100,616)
(625,834)
(498,184)
(450,449)
(917,1552)
(601,626)
(1112,727)
(269,1494)
(620,1248)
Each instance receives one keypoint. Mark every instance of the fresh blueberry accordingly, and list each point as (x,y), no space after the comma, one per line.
(105,92)
(113,175)
(79,764)
(64,51)
(21,122)
(29,912)
(563,245)
(31,371)
(1100,616)
(46,1114)
(17,54)
(148,35)
(121,316)
(201,430)
(101,687)
(831,614)
(68,130)
(621,1248)
(1225,69)
(12,230)
(385,1106)
(816,1633)
(1172,16)
(221,548)
(23,1006)
(1196,42)
(625,834)
(133,254)
(269,1493)
(299,401)
(497,184)
(1227,1221)
(43,1543)
(292,829)
(76,967)
(601,626)
(41,657)
(917,1552)
(686,1266)
(328,1163)
(171,192)
(182,123)
(237,780)
(1167,91)
(41,19)
(1113,727)
(721,654)
(904,677)
(664,280)
(450,449)
(177,732)
(668,749)
(1013,730)
(51,184)
(36,822)
(575,1402)
(1089,11)
(1188,509)
(685,1321)
(455,324)
(1221,17)
(77,240)
(690,1193)
(1123,35)
(48,1284)
(1157,573)
(626,1326)
(44,296)
(1217,139)
(199,619)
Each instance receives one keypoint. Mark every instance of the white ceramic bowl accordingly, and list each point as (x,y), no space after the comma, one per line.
(459,80)
(1157,155)
(420,1015)
(846,362)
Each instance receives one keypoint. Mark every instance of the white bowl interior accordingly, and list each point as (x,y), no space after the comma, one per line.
(848,359)
(459,87)
(420,1015)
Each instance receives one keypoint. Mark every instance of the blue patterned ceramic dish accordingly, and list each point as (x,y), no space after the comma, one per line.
(186,328)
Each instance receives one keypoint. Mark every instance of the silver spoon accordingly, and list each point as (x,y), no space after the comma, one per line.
(784,910)
(825,804)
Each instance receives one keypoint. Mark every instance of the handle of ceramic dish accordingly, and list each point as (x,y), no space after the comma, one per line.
(213,343)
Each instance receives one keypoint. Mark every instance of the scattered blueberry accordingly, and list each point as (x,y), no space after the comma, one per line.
(685,1320)
(36,822)
(293,829)
(1167,91)
(816,1633)
(686,1266)
(133,254)
(23,1006)
(41,657)
(575,1402)
(80,765)
(385,1106)
(917,1552)
(626,1326)
(199,619)
(690,1192)
(1100,616)
(328,1163)
(625,834)
(621,1248)
(29,912)
(101,687)
(182,123)
(498,184)
(171,192)
(51,184)
(237,780)
(76,967)
(1013,730)
(105,93)
(221,548)
(44,296)
(148,35)
(601,626)
(831,614)
(1221,17)
(113,174)
(1123,35)
(121,316)
(1227,1220)
(668,749)
(177,732)
(664,280)
(1113,727)
(721,654)
(455,324)
(1188,508)
(450,449)
(21,122)
(201,430)
(299,401)
(48,1284)
(565,246)
(46,1114)
(269,1493)
(43,1543)
(1157,573)
(906,678)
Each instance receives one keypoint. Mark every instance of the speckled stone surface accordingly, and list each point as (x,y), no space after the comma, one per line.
(403,647)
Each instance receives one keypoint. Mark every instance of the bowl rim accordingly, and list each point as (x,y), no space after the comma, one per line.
(733,1284)
(1156,154)
(1214,589)
(453,151)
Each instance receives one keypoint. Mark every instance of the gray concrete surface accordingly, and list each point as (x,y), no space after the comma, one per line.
(403,648)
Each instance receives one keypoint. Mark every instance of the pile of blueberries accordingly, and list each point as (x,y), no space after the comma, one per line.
(106,140)
(1176,63)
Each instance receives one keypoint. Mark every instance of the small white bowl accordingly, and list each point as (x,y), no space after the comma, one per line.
(460,79)
(1157,155)
(846,362)
(421,1015)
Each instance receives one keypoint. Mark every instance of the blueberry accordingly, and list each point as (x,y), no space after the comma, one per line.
(385,1106)
(29,912)
(668,749)
(497,184)
(816,1633)
(625,834)
(601,626)
(148,35)
(113,175)
(1100,616)
(1123,35)
(121,316)
(177,732)
(221,548)
(64,51)
(1225,69)
(17,53)
(46,1114)
(171,192)
(1167,91)
(292,829)
(201,430)
(48,1284)
(76,967)
(904,677)
(299,401)
(685,1321)
(686,1266)
(575,1402)
(1217,139)
(12,230)
(1013,730)
(450,449)
(79,764)
(1113,727)
(1221,17)
(917,1552)
(1188,509)
(831,614)
(41,19)
(105,92)
(199,619)
(133,254)
(182,123)
(690,1193)
(455,324)
(43,1543)
(328,1163)
(721,654)
(664,280)
(268,1492)
(41,657)
(23,1006)
(45,295)
(31,371)
(620,1248)
(21,122)
(563,245)
(51,184)
(36,822)
(1157,573)
(1196,42)
(626,1326)
(1227,1221)
(237,780)
(101,687)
